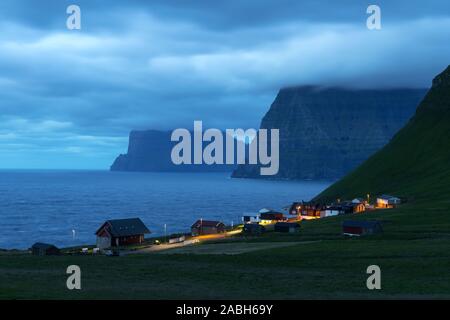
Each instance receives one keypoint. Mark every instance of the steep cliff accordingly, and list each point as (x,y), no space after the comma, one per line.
(327,132)
(415,164)
(150,150)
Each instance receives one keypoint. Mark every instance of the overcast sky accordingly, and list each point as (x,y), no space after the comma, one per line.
(68,98)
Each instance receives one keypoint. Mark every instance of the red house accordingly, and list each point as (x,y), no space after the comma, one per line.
(121,232)
(360,228)
(271,216)
(201,227)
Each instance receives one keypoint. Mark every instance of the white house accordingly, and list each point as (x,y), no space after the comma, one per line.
(331,211)
(251,218)
(387,201)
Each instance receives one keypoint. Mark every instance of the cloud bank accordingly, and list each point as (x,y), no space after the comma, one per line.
(69,98)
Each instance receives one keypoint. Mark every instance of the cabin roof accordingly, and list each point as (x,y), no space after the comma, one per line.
(124,227)
(42,245)
(266,210)
(272,216)
(387,197)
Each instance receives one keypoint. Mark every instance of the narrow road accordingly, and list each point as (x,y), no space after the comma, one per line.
(190,242)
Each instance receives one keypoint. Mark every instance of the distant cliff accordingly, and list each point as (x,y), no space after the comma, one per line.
(150,150)
(327,132)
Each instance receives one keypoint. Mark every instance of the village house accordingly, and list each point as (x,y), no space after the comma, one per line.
(360,228)
(360,200)
(202,227)
(290,227)
(387,201)
(271,217)
(295,208)
(44,249)
(253,228)
(354,207)
(333,211)
(251,218)
(307,210)
(121,232)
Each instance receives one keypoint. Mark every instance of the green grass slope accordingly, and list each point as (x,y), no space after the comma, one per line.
(416,163)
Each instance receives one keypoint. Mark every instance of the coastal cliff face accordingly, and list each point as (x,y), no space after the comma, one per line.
(150,151)
(327,132)
(415,164)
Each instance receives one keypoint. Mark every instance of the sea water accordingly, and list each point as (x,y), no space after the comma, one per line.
(65,208)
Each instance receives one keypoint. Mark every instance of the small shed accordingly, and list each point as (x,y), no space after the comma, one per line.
(290,227)
(121,232)
(360,228)
(202,227)
(253,228)
(44,249)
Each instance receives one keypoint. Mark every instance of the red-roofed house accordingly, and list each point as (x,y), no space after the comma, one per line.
(201,227)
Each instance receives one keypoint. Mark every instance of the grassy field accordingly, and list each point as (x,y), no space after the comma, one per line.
(232,247)
(414,258)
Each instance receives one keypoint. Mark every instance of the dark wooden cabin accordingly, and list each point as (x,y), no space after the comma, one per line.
(121,232)
(272,216)
(44,249)
(253,228)
(202,227)
(289,227)
(360,228)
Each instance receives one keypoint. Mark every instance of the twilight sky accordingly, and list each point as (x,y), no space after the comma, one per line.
(68,98)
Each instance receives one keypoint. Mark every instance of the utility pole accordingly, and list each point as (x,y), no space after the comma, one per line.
(165,232)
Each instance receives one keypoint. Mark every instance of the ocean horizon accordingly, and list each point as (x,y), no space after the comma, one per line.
(66,207)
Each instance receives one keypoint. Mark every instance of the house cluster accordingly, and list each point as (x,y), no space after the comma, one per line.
(123,232)
(312,210)
(126,232)
(268,220)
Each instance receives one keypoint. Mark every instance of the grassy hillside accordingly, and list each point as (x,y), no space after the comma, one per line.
(416,163)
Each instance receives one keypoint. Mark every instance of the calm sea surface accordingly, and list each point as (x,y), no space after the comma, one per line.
(48,205)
